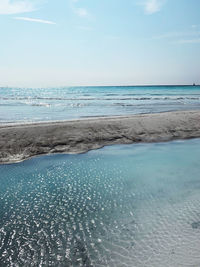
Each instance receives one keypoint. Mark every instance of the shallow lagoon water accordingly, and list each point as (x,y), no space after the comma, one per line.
(124,205)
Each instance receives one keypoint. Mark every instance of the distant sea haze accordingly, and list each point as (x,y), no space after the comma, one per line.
(52,104)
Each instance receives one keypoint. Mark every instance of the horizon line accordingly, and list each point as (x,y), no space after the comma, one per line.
(145,85)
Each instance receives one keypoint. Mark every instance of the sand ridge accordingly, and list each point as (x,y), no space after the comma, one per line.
(20,142)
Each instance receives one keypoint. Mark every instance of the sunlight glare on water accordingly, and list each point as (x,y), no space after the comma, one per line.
(51,104)
(124,205)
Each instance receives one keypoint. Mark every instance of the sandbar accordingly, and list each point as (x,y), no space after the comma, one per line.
(20,142)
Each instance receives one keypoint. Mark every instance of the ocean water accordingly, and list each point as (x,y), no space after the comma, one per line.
(124,205)
(46,104)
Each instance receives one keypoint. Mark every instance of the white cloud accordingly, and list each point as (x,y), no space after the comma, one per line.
(173,35)
(189,41)
(191,35)
(8,7)
(81,12)
(35,20)
(194,26)
(152,6)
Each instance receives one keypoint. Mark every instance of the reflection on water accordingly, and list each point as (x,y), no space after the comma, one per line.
(129,205)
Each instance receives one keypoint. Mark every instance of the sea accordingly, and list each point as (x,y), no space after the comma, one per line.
(134,205)
(52,104)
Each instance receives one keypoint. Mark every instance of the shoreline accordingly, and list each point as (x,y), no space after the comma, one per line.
(19,142)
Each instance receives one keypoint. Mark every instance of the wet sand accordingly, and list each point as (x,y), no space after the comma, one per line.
(20,142)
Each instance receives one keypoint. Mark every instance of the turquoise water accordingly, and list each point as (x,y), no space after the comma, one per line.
(46,104)
(126,205)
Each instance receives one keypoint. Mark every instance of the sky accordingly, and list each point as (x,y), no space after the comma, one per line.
(99,42)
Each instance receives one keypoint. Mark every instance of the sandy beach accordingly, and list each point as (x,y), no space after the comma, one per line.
(20,142)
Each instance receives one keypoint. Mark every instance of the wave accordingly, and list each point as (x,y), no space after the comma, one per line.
(38,104)
(48,105)
(100,98)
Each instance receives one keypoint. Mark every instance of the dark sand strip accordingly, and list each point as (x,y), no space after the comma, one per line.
(19,142)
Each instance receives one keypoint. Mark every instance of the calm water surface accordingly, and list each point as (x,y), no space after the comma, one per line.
(128,205)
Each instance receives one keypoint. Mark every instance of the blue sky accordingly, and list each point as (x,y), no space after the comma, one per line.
(99,42)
